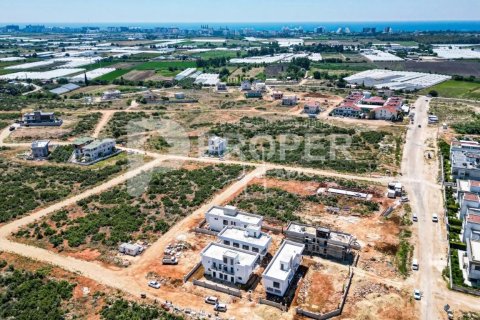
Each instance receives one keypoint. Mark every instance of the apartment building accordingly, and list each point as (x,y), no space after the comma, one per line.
(280,272)
(228,264)
(220,217)
(473,254)
(41,119)
(251,239)
(322,241)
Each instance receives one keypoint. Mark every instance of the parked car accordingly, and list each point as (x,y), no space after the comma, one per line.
(154,284)
(12,128)
(170,260)
(435,217)
(211,300)
(415,265)
(404,199)
(220,307)
(417,295)
(415,217)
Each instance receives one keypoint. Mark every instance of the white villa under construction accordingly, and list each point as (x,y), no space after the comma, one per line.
(220,217)
(251,239)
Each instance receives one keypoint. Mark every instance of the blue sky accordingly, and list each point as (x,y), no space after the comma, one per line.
(161,11)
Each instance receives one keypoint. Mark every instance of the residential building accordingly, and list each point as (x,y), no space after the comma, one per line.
(220,217)
(473,254)
(259,86)
(312,107)
(41,119)
(149,97)
(471,225)
(217,146)
(40,149)
(468,201)
(465,160)
(246,85)
(251,239)
(111,95)
(464,186)
(228,264)
(253,94)
(222,86)
(87,150)
(179,95)
(364,105)
(277,95)
(322,241)
(279,273)
(289,100)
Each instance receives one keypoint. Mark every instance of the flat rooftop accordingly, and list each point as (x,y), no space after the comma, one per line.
(240,215)
(40,143)
(312,230)
(218,250)
(242,235)
(288,250)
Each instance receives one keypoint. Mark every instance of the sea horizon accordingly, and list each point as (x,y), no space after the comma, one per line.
(354,26)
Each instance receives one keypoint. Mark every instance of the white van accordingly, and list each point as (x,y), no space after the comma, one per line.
(435,217)
(415,264)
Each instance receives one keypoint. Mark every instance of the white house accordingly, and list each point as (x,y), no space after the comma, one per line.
(260,86)
(111,95)
(279,273)
(217,146)
(94,150)
(179,95)
(473,254)
(220,217)
(464,186)
(251,239)
(246,86)
(289,100)
(468,201)
(228,264)
(471,225)
(40,149)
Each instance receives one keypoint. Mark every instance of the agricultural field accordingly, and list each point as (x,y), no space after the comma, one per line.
(26,187)
(113,75)
(129,212)
(456,89)
(311,144)
(217,54)
(166,68)
(86,124)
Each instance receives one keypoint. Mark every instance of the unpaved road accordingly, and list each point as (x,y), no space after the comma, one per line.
(106,116)
(420,180)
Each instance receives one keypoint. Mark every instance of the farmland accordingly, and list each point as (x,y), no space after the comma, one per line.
(123,123)
(166,68)
(113,75)
(457,89)
(103,221)
(25,188)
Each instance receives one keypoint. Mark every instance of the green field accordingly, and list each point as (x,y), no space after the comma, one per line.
(166,68)
(100,64)
(456,89)
(113,75)
(216,54)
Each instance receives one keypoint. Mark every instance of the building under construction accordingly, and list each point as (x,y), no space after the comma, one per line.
(323,241)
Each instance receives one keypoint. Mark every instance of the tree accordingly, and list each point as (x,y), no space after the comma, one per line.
(317,75)
(433,93)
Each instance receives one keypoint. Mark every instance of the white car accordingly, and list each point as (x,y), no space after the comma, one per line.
(154,284)
(435,217)
(211,300)
(220,307)
(415,217)
(417,295)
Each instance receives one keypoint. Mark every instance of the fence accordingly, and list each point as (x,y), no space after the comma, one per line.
(188,275)
(466,290)
(230,291)
(205,231)
(333,313)
(273,304)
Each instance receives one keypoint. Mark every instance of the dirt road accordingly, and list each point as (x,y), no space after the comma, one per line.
(106,116)
(420,179)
